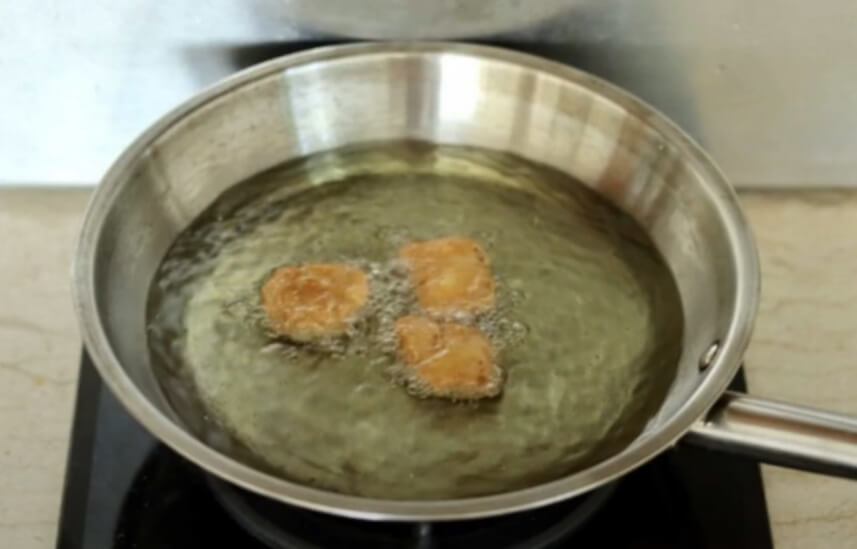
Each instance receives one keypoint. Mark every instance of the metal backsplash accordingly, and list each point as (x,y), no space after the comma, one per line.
(768,87)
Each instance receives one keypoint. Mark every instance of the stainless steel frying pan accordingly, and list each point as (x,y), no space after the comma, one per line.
(461,95)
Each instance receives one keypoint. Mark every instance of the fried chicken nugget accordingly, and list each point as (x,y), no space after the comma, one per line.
(314,300)
(451,275)
(448,360)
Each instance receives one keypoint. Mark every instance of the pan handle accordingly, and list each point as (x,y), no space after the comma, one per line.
(780,433)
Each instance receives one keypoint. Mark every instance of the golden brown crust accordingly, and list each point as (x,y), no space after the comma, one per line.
(314,300)
(451,275)
(447,359)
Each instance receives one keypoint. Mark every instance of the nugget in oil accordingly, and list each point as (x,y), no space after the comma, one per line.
(451,276)
(447,360)
(314,300)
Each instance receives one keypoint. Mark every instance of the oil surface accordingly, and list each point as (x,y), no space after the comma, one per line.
(588,325)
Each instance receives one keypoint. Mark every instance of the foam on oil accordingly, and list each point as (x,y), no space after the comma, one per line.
(587,326)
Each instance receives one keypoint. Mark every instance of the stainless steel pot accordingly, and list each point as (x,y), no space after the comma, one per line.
(451,94)
(400,19)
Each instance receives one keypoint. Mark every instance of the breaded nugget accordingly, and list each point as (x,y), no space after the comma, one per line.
(447,360)
(451,275)
(314,300)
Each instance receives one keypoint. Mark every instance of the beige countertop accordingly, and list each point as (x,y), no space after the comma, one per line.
(803,350)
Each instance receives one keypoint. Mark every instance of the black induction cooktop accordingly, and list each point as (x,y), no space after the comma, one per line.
(125,490)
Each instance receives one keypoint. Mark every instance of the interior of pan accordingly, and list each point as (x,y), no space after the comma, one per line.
(448,94)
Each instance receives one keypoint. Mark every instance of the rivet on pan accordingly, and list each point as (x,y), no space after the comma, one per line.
(708,356)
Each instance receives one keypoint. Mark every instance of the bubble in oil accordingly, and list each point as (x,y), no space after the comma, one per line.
(506,333)
(486,238)
(417,387)
(516,297)
(273,348)
(392,297)
(392,235)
